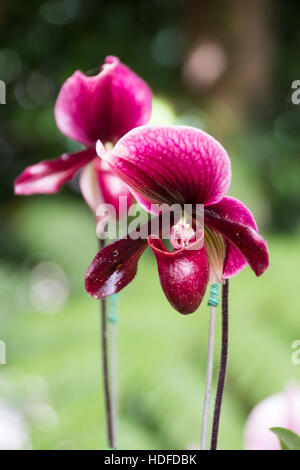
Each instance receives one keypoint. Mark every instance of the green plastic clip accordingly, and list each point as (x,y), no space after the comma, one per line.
(112,312)
(214,295)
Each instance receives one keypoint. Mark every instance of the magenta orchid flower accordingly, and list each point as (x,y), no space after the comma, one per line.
(105,106)
(179,165)
(280,410)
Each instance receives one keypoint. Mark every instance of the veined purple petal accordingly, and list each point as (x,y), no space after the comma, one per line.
(114,267)
(183,275)
(234,221)
(172,164)
(105,106)
(48,176)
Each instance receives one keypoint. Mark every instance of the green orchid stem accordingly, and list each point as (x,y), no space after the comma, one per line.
(113,330)
(106,378)
(223,366)
(212,303)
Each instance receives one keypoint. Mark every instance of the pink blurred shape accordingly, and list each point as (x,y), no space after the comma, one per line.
(280,410)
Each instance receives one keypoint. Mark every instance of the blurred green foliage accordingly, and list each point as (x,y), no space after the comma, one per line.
(162,354)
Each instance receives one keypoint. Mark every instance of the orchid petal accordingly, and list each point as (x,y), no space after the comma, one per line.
(104,106)
(172,164)
(48,176)
(112,188)
(98,184)
(114,267)
(235,262)
(183,275)
(234,221)
(89,186)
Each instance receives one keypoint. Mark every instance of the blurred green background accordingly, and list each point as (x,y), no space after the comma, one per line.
(226,67)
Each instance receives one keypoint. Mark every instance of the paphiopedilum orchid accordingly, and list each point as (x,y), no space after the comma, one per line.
(105,106)
(179,165)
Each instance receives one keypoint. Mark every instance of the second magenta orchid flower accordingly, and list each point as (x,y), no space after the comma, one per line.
(105,106)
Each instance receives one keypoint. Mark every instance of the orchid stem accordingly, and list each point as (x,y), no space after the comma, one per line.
(209,371)
(113,319)
(108,407)
(223,366)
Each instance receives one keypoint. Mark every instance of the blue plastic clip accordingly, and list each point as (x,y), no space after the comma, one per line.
(214,295)
(112,311)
